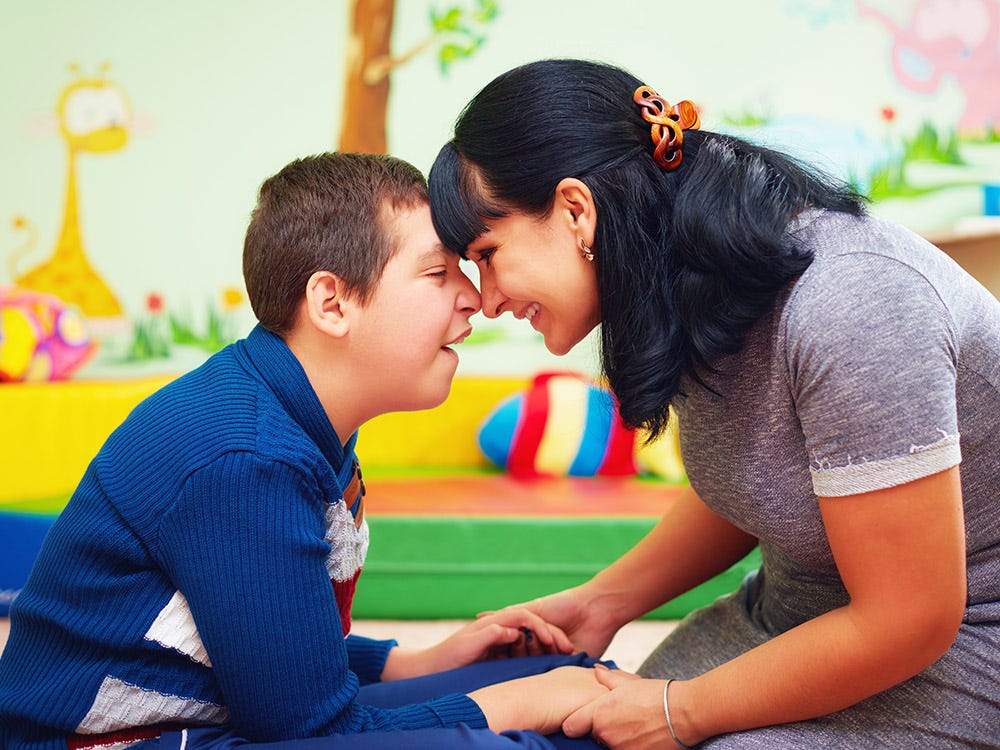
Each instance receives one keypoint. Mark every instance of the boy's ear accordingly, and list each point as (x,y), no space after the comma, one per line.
(576,204)
(328,305)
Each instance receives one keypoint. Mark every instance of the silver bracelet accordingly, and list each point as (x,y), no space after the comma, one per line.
(666,712)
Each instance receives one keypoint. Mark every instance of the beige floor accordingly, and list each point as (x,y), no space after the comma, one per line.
(628,649)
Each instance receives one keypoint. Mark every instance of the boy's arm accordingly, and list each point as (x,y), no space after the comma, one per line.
(515,631)
(540,702)
(245,545)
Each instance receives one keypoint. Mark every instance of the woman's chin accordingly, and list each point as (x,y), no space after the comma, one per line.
(559,348)
(561,344)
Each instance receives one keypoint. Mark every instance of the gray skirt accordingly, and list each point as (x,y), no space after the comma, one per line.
(955,703)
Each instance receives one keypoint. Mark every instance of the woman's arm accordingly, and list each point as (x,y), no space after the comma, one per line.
(689,545)
(901,554)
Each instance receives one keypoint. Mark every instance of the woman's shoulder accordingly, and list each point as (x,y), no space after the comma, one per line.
(841,243)
(867,267)
(859,260)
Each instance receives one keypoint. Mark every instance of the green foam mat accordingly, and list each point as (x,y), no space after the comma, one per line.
(453,568)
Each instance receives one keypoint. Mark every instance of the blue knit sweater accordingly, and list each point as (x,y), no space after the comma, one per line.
(188,580)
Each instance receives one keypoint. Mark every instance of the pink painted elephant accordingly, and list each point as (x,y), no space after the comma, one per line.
(956,38)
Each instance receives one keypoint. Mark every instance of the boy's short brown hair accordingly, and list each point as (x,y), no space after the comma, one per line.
(324,213)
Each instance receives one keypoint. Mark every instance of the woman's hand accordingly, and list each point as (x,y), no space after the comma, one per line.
(574,611)
(628,717)
(541,702)
(514,631)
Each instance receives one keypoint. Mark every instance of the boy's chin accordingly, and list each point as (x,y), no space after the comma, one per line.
(429,398)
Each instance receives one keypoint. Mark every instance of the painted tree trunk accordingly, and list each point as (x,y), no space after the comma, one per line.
(366,90)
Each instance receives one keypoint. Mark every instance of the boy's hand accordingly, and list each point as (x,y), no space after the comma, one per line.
(510,632)
(540,702)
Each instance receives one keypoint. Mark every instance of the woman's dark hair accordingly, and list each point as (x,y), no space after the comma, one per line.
(687,261)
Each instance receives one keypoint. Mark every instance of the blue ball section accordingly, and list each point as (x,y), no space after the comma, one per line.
(596,432)
(21,536)
(496,436)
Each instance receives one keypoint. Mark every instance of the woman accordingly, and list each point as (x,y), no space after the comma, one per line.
(829,372)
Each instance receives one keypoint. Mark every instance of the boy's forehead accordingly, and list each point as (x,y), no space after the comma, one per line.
(413,233)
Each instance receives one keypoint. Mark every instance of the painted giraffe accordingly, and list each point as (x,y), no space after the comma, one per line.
(94,117)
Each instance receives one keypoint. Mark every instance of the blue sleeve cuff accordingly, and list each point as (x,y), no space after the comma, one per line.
(445,712)
(458,709)
(366,657)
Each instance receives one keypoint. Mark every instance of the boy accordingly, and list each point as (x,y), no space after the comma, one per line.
(183,599)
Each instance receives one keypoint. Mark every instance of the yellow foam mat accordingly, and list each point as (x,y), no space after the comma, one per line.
(51,431)
(444,437)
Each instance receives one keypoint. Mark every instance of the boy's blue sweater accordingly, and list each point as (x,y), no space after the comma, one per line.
(187,582)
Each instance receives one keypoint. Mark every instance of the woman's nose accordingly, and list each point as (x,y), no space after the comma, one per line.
(492,299)
(469,299)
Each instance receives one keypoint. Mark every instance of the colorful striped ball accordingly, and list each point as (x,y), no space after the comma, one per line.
(564,424)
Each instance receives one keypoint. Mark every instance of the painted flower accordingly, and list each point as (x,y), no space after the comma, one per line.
(888,113)
(155,303)
(232,298)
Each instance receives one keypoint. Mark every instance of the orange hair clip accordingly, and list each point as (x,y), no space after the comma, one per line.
(668,124)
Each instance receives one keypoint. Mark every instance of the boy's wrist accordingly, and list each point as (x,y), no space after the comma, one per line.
(403,663)
(505,705)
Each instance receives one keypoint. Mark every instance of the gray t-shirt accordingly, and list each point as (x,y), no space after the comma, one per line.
(880,365)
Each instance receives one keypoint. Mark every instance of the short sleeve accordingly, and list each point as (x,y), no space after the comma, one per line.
(872,355)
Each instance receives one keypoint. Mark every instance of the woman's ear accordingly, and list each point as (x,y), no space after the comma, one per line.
(328,306)
(574,201)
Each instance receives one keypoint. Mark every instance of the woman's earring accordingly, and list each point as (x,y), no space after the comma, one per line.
(587,252)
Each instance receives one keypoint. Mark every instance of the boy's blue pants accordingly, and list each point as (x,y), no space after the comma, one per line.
(405,692)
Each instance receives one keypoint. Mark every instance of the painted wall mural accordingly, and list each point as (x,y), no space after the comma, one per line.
(455,34)
(93,116)
(936,46)
(949,39)
(898,96)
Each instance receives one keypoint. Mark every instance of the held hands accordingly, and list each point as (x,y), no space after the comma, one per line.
(540,702)
(627,717)
(514,631)
(580,616)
